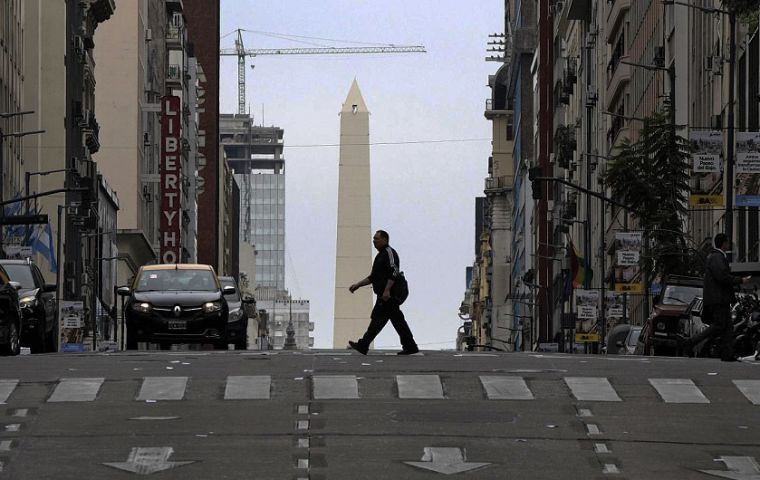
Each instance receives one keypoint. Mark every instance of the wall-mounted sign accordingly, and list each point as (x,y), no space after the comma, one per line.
(707,168)
(171,180)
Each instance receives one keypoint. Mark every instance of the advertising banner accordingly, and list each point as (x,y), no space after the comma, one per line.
(747,169)
(171,180)
(627,270)
(707,168)
(587,304)
(613,304)
(71,326)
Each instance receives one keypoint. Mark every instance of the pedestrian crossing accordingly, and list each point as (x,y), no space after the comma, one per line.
(407,387)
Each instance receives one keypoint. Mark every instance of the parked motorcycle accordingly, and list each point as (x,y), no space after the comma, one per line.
(745,314)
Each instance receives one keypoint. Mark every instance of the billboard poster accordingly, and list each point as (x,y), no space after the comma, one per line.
(613,304)
(707,168)
(627,270)
(171,180)
(747,169)
(586,304)
(71,326)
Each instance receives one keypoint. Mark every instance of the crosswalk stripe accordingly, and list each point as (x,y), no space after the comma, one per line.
(76,390)
(335,387)
(248,387)
(592,389)
(6,388)
(678,390)
(506,388)
(163,388)
(750,389)
(419,386)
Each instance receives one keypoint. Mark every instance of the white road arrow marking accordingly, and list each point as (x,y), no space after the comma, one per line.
(144,461)
(739,468)
(445,460)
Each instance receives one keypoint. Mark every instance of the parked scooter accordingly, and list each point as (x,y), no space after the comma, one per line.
(745,314)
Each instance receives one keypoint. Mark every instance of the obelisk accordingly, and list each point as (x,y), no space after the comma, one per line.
(353,257)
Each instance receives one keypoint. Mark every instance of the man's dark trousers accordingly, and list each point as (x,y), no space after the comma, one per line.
(383,312)
(721,325)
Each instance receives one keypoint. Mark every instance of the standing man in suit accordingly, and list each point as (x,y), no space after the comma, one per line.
(718,294)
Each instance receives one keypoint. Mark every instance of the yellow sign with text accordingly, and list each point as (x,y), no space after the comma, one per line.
(705,200)
(586,337)
(629,288)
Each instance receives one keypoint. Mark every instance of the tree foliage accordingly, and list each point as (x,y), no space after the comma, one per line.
(651,175)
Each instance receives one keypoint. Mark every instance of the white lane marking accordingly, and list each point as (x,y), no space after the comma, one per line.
(248,387)
(7,386)
(303,443)
(13,427)
(21,412)
(678,390)
(5,446)
(335,387)
(154,418)
(601,448)
(593,429)
(610,468)
(419,386)
(76,390)
(593,389)
(738,468)
(303,463)
(302,425)
(750,389)
(506,388)
(585,412)
(163,388)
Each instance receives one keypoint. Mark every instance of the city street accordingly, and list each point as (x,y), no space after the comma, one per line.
(339,415)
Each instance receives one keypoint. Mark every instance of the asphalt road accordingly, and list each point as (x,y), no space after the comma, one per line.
(339,415)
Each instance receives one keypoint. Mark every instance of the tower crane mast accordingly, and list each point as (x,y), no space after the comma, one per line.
(241,52)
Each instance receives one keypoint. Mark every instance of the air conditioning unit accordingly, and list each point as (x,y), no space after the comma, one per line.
(148,35)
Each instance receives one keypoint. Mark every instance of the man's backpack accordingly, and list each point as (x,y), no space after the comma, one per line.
(400,288)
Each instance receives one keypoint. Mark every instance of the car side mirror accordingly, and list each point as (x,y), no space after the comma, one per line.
(50,288)
(228,290)
(124,291)
(15,285)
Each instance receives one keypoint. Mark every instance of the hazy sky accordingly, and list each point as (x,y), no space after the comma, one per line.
(423,194)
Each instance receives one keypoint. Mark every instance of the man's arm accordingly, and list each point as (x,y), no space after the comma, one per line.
(387,292)
(356,286)
(722,272)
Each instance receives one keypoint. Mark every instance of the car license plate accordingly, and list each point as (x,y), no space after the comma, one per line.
(177,324)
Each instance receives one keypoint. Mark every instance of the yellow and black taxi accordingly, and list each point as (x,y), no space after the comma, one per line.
(176,303)
(10,315)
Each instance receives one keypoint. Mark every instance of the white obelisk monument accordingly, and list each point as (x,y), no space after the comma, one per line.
(353,259)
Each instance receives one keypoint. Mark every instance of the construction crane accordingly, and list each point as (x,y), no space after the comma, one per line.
(241,52)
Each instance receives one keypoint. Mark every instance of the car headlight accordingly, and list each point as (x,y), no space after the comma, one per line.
(143,307)
(211,307)
(235,315)
(28,302)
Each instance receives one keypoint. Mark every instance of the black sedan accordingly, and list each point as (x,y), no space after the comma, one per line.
(37,301)
(10,316)
(181,303)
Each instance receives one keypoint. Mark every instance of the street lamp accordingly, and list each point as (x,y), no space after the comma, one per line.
(27,177)
(3,136)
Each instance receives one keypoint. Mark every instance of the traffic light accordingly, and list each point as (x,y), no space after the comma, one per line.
(533,174)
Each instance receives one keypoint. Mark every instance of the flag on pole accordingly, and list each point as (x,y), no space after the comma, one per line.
(579,270)
(42,243)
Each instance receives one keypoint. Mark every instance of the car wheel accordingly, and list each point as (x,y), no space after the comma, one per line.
(13,347)
(37,345)
(50,342)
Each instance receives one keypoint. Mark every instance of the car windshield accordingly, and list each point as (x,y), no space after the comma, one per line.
(680,295)
(231,297)
(176,280)
(21,274)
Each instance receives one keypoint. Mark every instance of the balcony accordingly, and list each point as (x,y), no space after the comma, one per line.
(497,185)
(491,113)
(173,36)
(618,11)
(618,76)
(174,74)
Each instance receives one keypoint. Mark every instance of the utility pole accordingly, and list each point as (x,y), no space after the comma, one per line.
(730,147)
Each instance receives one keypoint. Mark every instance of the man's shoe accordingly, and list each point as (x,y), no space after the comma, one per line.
(358,347)
(409,351)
